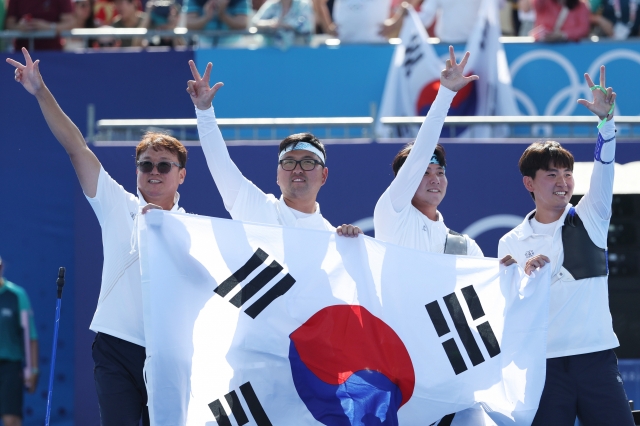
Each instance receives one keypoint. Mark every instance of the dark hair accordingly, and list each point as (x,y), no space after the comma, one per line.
(295,139)
(402,155)
(160,141)
(90,21)
(541,156)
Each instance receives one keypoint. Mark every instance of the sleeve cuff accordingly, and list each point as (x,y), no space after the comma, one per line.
(205,112)
(608,130)
(445,93)
(443,100)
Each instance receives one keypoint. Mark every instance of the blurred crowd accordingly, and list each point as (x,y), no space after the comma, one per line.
(284,22)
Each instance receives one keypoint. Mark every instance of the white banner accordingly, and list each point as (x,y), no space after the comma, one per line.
(285,326)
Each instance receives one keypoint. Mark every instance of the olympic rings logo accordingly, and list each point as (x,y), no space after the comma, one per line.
(576,88)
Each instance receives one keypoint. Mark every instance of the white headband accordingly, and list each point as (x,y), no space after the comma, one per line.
(302,145)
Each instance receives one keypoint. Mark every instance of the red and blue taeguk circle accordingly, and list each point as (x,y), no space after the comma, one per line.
(350,368)
(464,103)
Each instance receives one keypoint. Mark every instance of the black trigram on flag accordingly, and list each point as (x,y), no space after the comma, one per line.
(256,284)
(464,330)
(250,398)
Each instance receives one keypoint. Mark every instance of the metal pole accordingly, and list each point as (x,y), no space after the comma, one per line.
(60,284)
(91,123)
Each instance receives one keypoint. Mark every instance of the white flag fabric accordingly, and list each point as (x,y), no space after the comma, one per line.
(488,60)
(414,76)
(284,326)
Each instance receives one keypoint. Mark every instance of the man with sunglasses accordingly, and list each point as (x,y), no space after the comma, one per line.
(300,175)
(119,346)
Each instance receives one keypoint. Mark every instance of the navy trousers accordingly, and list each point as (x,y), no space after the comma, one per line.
(588,386)
(118,373)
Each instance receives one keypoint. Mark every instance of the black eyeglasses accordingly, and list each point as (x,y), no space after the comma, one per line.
(164,167)
(307,165)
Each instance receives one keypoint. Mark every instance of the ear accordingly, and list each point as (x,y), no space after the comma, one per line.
(325,175)
(183,174)
(528,183)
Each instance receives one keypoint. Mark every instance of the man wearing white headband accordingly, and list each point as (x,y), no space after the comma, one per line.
(301,171)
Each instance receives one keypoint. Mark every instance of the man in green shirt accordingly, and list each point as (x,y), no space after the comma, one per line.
(18,348)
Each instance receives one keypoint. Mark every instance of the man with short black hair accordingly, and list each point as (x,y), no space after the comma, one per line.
(18,347)
(582,376)
(407,212)
(119,348)
(301,171)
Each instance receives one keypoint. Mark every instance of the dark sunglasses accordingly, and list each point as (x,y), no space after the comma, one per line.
(164,167)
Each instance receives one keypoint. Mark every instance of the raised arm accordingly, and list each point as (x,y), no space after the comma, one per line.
(599,197)
(404,186)
(83,159)
(225,173)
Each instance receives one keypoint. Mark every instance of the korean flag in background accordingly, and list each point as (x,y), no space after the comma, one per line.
(413,79)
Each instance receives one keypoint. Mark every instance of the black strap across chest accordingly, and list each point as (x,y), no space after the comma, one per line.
(582,258)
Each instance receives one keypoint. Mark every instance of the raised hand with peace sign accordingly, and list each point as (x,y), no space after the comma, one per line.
(603,97)
(198,88)
(452,77)
(84,160)
(28,74)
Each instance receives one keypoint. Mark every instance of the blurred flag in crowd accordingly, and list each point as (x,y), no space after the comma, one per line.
(413,79)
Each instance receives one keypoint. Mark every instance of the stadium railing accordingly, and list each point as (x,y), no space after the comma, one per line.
(493,129)
(87,34)
(191,36)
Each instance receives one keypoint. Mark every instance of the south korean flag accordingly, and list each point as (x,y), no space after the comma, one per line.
(266,325)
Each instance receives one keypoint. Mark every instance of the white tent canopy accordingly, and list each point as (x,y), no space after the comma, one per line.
(627,178)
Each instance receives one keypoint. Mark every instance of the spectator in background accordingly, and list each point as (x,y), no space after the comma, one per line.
(561,20)
(356,21)
(615,18)
(104,12)
(221,15)
(288,18)
(456,19)
(257,4)
(40,15)
(527,17)
(515,18)
(323,10)
(162,15)
(18,347)
(128,17)
(83,16)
